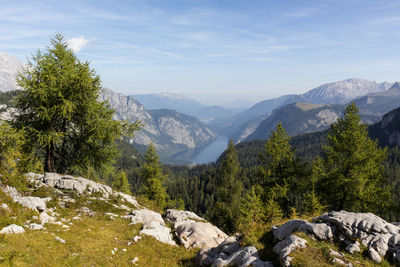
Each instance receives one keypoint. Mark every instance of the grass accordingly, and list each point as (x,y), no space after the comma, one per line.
(89,242)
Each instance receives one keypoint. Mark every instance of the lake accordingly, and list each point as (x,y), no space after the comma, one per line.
(211,152)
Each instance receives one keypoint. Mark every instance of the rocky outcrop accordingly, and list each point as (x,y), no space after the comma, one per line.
(78,184)
(286,246)
(12,229)
(321,231)
(380,237)
(229,253)
(34,203)
(153,225)
(193,231)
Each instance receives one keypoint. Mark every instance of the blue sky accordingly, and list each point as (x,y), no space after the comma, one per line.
(215,50)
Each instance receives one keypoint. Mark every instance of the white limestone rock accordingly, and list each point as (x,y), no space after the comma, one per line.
(159,232)
(175,216)
(374,255)
(353,247)
(12,229)
(60,240)
(34,203)
(320,230)
(4,206)
(288,245)
(199,234)
(145,216)
(229,253)
(35,226)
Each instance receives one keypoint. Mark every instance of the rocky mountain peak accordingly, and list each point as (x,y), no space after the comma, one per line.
(9,68)
(346,90)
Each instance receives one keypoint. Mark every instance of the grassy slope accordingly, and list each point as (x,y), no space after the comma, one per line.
(88,241)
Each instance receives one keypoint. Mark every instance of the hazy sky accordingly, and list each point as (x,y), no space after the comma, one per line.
(215,50)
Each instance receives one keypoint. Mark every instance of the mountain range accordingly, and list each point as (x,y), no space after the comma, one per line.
(180,126)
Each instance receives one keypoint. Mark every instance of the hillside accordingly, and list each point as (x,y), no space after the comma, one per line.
(60,218)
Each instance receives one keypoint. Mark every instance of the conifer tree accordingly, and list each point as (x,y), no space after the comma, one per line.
(353,164)
(154,178)
(59,110)
(312,204)
(121,183)
(251,208)
(229,189)
(279,169)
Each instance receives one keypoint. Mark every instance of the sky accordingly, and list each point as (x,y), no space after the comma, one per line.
(216,51)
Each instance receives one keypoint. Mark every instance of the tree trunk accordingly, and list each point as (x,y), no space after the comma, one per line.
(49,164)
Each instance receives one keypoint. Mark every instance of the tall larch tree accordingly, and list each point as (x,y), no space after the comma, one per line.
(353,164)
(61,115)
(229,189)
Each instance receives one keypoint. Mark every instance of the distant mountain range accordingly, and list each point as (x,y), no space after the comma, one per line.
(185,105)
(180,126)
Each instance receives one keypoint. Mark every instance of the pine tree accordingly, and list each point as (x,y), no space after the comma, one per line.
(229,188)
(59,110)
(353,164)
(251,209)
(154,178)
(121,183)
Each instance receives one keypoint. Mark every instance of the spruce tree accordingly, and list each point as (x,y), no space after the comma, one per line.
(229,189)
(59,110)
(153,177)
(353,164)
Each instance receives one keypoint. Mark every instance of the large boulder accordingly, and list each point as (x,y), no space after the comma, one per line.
(229,253)
(199,234)
(193,231)
(12,229)
(34,203)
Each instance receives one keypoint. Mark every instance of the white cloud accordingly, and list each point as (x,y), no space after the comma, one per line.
(77,43)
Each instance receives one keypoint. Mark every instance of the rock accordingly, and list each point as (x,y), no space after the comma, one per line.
(199,234)
(135,260)
(229,253)
(333,253)
(45,218)
(78,184)
(371,230)
(34,203)
(320,230)
(194,231)
(60,240)
(35,226)
(145,216)
(136,238)
(12,229)
(4,206)
(243,257)
(159,232)
(175,216)
(341,262)
(373,255)
(354,247)
(288,245)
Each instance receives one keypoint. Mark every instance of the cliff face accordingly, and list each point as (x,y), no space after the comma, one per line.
(388,129)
